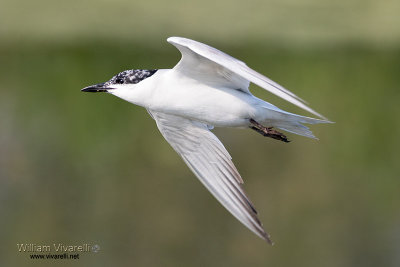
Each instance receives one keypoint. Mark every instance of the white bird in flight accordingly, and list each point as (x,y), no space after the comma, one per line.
(208,89)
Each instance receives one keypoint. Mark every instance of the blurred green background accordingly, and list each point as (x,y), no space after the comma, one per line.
(90,168)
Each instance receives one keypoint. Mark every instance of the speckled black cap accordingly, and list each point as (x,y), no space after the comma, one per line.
(130,77)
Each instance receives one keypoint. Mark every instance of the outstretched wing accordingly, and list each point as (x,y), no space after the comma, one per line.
(204,62)
(211,163)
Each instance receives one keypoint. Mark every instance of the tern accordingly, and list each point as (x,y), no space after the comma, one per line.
(207,89)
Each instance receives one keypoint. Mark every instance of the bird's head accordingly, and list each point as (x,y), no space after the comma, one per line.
(122,80)
(128,85)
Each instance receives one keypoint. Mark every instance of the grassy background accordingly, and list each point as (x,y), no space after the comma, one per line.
(83,168)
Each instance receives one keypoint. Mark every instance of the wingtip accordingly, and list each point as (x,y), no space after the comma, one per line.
(326,120)
(267,238)
(264,235)
(316,114)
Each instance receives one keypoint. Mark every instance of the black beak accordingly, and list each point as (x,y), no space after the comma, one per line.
(101,87)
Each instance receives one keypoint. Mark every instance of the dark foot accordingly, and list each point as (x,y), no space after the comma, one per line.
(268,131)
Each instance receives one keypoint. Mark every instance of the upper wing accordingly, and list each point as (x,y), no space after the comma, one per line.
(211,163)
(202,61)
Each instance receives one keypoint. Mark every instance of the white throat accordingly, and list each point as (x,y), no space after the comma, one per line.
(139,94)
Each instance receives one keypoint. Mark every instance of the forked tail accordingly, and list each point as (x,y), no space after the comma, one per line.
(290,122)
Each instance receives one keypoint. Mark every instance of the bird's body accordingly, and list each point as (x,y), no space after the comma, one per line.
(207,89)
(186,97)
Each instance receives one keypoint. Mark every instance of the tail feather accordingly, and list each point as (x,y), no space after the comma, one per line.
(297,129)
(292,123)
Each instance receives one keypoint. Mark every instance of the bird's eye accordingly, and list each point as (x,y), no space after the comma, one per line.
(119,80)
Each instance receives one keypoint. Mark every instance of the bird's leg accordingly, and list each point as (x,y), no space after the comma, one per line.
(268,131)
